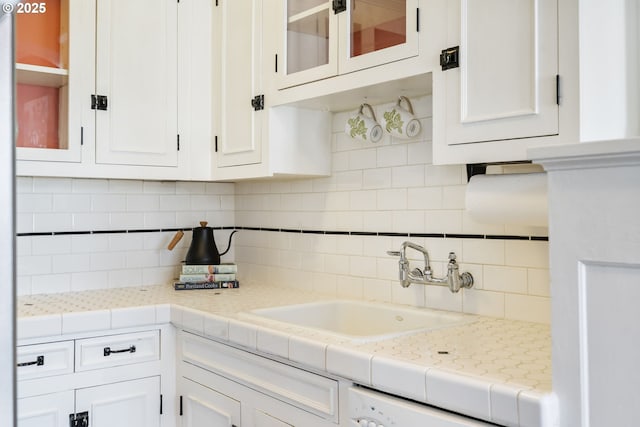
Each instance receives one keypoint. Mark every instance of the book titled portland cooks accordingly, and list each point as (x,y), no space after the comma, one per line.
(221,276)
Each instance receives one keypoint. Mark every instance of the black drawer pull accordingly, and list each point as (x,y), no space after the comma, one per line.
(108,351)
(38,362)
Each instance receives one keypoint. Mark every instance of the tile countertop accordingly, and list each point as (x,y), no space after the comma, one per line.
(492,369)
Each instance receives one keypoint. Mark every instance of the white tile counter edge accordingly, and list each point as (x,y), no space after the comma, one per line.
(500,403)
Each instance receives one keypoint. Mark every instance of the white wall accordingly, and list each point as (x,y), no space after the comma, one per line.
(387,187)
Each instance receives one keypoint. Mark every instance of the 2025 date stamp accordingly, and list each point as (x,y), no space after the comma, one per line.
(32,8)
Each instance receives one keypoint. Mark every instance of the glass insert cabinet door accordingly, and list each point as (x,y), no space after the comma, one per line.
(42,77)
(326,38)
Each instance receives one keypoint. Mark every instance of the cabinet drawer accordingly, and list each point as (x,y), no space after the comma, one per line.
(43,360)
(308,391)
(117,350)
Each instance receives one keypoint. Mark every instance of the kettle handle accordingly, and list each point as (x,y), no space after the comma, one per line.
(176,238)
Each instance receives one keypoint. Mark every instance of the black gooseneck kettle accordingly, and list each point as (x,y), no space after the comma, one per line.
(203,249)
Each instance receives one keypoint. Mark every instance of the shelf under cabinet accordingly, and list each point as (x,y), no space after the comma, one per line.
(41,76)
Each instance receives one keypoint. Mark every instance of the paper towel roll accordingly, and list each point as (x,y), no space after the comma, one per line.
(519,198)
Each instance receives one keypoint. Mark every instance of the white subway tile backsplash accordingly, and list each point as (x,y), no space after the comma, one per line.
(377,220)
(50,245)
(24,185)
(425,198)
(52,185)
(89,186)
(125,186)
(419,153)
(34,203)
(392,155)
(480,251)
(483,302)
(387,187)
(363,200)
(406,221)
(159,220)
(444,175)
(159,187)
(362,159)
(407,176)
(124,278)
(443,221)
(141,259)
(392,199)
(528,307)
(50,283)
(376,178)
(505,279)
(108,203)
(91,221)
(143,202)
(453,196)
(538,282)
(441,298)
(527,254)
(126,221)
(89,280)
(31,265)
(71,263)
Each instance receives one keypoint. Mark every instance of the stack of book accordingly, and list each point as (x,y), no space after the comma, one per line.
(207,277)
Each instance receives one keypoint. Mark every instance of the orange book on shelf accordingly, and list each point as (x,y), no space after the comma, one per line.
(39,36)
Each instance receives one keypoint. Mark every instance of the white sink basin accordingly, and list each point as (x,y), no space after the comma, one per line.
(361,321)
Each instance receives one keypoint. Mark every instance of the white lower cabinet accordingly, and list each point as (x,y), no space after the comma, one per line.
(49,410)
(133,403)
(222,386)
(117,380)
(203,406)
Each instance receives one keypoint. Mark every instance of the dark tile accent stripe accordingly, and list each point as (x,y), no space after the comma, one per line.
(300,231)
(463,236)
(540,238)
(430,235)
(499,237)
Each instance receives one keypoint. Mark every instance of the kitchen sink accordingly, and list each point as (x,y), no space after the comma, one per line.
(361,321)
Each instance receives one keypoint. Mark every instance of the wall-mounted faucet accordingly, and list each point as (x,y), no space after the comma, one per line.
(454,280)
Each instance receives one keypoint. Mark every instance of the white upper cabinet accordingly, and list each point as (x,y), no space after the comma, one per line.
(252,139)
(49,76)
(501,85)
(136,69)
(533,73)
(323,38)
(239,83)
(129,95)
(505,86)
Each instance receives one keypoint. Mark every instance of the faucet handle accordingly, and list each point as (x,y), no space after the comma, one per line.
(394,253)
(452,257)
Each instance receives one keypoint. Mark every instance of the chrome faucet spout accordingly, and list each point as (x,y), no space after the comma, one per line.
(454,280)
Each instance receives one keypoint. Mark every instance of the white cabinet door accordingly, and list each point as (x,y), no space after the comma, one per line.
(204,407)
(239,75)
(49,410)
(53,75)
(136,68)
(505,86)
(133,403)
(309,40)
(320,39)
(375,32)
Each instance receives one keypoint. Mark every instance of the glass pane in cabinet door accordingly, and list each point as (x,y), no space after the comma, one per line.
(307,34)
(377,24)
(42,74)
